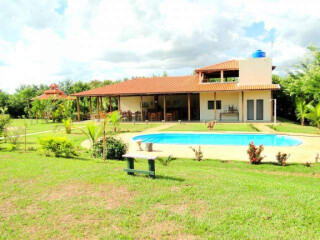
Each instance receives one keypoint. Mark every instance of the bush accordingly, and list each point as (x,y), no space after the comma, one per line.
(166,161)
(4,122)
(13,134)
(57,146)
(282,158)
(115,148)
(255,153)
(198,153)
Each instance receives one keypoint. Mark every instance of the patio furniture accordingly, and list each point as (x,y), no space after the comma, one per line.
(152,116)
(130,164)
(158,116)
(169,117)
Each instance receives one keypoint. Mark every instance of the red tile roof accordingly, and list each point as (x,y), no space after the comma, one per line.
(53,93)
(167,85)
(228,65)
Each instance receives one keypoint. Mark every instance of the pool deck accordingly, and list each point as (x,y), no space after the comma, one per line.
(306,152)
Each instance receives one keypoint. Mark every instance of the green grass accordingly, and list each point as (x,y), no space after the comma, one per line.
(292,127)
(84,198)
(219,127)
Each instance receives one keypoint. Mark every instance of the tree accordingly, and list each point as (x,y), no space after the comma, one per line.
(114,118)
(93,132)
(38,108)
(314,115)
(301,110)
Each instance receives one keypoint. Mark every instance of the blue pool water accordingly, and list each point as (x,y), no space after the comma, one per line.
(219,139)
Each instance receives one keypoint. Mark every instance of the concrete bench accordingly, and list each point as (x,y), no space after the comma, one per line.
(130,164)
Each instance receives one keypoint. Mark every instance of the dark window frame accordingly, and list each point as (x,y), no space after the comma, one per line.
(211,104)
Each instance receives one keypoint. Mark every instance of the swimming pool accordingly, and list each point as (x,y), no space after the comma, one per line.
(219,139)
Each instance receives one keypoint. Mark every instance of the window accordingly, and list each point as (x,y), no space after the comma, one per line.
(218,104)
(211,105)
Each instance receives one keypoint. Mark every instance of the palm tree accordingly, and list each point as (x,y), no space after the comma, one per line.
(301,110)
(314,115)
(93,132)
(114,118)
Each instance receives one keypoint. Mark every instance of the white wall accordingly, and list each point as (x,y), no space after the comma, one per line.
(226,98)
(235,99)
(255,71)
(265,96)
(130,103)
(133,103)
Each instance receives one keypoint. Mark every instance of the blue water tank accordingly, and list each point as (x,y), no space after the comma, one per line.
(258,54)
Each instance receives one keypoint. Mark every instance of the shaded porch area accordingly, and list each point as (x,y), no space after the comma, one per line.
(168,107)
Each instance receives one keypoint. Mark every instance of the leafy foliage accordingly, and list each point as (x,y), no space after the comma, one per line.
(165,161)
(301,110)
(255,153)
(314,115)
(57,146)
(115,119)
(282,158)
(198,153)
(67,125)
(115,148)
(4,122)
(93,132)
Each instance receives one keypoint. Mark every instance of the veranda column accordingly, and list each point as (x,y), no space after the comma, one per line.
(119,105)
(189,108)
(215,106)
(141,102)
(78,108)
(222,76)
(242,105)
(110,104)
(101,103)
(98,110)
(90,106)
(164,107)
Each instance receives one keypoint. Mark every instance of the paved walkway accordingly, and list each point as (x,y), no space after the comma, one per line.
(263,127)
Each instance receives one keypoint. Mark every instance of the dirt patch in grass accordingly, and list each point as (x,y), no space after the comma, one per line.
(280,173)
(108,196)
(197,208)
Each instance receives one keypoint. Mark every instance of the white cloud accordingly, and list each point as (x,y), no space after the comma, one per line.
(111,39)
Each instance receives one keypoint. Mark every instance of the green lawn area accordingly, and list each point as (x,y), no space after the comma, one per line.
(43,197)
(219,127)
(85,198)
(292,127)
(41,126)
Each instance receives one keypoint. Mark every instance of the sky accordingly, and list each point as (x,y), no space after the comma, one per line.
(46,41)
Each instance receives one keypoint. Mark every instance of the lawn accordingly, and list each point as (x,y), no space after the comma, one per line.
(239,127)
(34,126)
(84,198)
(292,127)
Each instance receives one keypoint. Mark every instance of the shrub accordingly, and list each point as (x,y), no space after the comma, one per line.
(198,153)
(4,122)
(255,153)
(115,148)
(165,161)
(282,158)
(210,125)
(307,164)
(13,134)
(58,146)
(67,125)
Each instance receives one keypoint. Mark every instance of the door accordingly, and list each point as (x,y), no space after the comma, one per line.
(259,109)
(250,110)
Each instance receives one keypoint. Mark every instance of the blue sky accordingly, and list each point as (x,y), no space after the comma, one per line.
(51,40)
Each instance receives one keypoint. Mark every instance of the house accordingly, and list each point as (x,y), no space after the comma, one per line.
(231,91)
